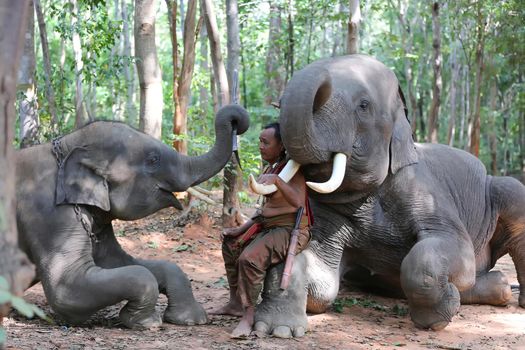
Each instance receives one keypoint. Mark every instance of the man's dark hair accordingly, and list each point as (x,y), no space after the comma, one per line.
(275,126)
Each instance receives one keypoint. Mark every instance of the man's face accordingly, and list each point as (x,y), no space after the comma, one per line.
(269,146)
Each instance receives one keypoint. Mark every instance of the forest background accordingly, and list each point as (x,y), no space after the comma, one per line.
(460,65)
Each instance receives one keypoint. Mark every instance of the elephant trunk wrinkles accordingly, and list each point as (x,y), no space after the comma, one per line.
(200,168)
(307,91)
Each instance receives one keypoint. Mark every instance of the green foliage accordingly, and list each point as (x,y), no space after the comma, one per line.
(24,308)
(340,303)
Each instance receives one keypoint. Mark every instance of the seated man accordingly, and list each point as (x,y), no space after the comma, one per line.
(249,250)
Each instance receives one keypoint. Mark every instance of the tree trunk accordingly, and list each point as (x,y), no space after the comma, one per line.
(453,92)
(219,71)
(231,213)
(148,68)
(291,43)
(182,83)
(476,117)
(28,111)
(49,91)
(274,79)
(80,112)
(129,76)
(14,265)
(493,145)
(352,40)
(433,122)
(204,99)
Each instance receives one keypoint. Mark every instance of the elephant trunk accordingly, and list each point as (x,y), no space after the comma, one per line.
(200,168)
(307,91)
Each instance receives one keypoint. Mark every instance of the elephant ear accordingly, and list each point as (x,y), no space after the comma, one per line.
(79,182)
(402,148)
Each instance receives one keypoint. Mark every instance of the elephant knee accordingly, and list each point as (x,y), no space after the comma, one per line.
(144,284)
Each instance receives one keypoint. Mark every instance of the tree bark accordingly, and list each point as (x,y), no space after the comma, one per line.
(80,112)
(433,121)
(493,145)
(129,76)
(148,68)
(453,92)
(28,109)
(352,43)
(204,98)
(291,43)
(49,91)
(182,81)
(274,79)
(14,265)
(231,213)
(219,71)
(476,117)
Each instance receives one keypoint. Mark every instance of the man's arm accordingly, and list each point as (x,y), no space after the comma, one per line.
(294,191)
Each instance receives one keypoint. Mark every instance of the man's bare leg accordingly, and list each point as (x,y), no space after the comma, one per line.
(244,328)
(233,308)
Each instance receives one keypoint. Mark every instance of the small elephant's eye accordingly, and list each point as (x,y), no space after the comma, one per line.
(363,105)
(152,159)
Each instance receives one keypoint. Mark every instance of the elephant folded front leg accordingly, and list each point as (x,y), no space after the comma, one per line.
(491,288)
(282,313)
(432,275)
(182,307)
(77,298)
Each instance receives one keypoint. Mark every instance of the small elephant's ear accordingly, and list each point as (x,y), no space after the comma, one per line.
(402,148)
(78,182)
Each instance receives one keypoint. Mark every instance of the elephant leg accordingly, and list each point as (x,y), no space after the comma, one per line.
(313,287)
(432,274)
(79,292)
(182,307)
(491,288)
(508,195)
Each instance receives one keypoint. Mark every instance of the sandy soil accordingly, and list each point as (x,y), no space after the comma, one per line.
(358,321)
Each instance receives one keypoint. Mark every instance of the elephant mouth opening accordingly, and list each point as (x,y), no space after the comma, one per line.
(170,196)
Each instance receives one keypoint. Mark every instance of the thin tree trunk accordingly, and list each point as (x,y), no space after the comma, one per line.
(476,117)
(231,213)
(219,71)
(291,44)
(131,112)
(49,92)
(148,68)
(493,145)
(28,111)
(243,64)
(80,113)
(453,92)
(274,80)
(352,43)
(433,117)
(204,98)
(14,265)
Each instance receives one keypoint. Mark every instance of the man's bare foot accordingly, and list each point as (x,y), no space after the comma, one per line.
(244,328)
(232,308)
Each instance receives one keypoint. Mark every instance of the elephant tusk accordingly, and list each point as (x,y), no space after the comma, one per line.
(338,174)
(286,175)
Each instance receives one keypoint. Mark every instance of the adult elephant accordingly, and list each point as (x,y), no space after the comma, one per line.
(420,220)
(70,190)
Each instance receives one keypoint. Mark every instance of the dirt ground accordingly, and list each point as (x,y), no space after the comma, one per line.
(357,321)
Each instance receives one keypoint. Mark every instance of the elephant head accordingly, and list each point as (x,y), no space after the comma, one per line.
(129,174)
(346,113)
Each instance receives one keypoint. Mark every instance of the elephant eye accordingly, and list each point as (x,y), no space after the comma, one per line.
(363,105)
(152,159)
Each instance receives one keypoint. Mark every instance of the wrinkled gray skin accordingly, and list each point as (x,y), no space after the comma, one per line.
(110,171)
(423,221)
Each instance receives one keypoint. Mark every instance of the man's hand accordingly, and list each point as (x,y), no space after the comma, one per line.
(268,179)
(231,232)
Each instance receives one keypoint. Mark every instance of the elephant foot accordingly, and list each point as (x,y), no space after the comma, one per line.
(281,320)
(135,319)
(491,288)
(439,315)
(188,315)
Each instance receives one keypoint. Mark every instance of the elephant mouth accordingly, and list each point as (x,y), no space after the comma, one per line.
(170,197)
(336,177)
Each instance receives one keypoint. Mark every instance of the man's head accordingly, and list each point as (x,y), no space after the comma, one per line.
(270,143)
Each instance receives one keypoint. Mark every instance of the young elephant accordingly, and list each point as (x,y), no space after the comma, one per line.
(420,220)
(70,190)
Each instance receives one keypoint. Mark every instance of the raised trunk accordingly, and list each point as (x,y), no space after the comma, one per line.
(306,92)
